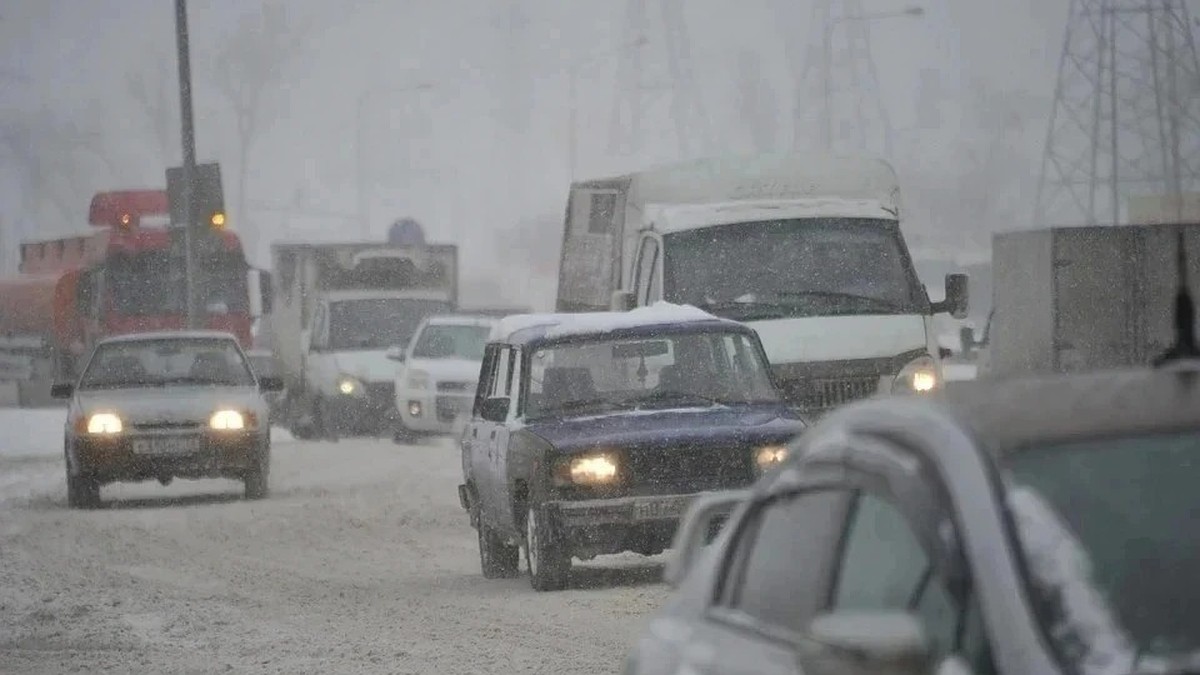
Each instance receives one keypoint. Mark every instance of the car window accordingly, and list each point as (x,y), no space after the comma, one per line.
(175,361)
(499,386)
(885,567)
(783,559)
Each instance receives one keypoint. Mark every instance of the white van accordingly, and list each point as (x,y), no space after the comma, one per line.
(807,250)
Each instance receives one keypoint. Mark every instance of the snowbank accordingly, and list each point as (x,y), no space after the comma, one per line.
(38,432)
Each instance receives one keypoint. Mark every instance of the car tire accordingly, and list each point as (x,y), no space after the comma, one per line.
(549,565)
(256,481)
(82,492)
(497,558)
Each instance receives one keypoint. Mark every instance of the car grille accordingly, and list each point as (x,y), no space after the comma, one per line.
(450,407)
(825,393)
(689,469)
(381,393)
(454,386)
(163,425)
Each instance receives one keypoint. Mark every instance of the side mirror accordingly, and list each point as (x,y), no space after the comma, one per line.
(623,301)
(696,529)
(955,303)
(270,384)
(396,354)
(867,642)
(494,409)
(62,391)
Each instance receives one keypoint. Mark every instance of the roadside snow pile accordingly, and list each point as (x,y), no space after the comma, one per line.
(31,432)
(1063,571)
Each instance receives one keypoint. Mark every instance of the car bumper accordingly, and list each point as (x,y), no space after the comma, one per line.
(437,413)
(215,456)
(645,524)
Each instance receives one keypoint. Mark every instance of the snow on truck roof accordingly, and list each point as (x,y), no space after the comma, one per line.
(170,335)
(529,327)
(762,177)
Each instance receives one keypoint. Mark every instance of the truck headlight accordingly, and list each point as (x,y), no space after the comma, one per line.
(596,469)
(769,456)
(920,376)
(349,386)
(104,423)
(228,420)
(418,379)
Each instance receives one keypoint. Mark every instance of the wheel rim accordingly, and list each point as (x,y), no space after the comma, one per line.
(531,542)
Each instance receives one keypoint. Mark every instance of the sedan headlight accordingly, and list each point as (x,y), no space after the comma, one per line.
(920,376)
(765,458)
(595,469)
(230,420)
(104,423)
(418,379)
(349,386)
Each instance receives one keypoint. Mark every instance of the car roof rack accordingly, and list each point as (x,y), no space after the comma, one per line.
(1185,348)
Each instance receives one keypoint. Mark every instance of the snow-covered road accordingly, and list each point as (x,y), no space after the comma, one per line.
(361,561)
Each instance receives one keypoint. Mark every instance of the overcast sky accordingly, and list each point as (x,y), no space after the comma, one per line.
(445,154)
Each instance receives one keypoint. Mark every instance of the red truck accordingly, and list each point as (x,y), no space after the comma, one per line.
(124,277)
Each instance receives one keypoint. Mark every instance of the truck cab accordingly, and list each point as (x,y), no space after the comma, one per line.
(808,252)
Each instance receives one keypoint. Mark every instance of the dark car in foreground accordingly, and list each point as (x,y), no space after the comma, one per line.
(1032,526)
(591,433)
(163,406)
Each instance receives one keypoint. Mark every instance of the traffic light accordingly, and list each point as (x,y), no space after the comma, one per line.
(208,198)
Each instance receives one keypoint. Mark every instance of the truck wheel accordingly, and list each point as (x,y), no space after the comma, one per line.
(498,559)
(82,492)
(256,480)
(549,565)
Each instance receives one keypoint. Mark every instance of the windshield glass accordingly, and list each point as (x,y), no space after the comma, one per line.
(788,268)
(157,363)
(153,283)
(452,342)
(377,323)
(1111,533)
(670,371)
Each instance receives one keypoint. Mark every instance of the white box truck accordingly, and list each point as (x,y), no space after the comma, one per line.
(338,309)
(808,250)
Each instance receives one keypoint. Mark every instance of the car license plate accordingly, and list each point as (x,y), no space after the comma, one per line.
(166,446)
(659,509)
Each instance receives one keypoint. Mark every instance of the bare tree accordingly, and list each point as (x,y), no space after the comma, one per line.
(154,89)
(757,102)
(251,71)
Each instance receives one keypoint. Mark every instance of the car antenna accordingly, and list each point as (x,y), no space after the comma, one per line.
(1185,315)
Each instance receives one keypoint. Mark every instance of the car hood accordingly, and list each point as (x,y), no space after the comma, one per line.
(174,404)
(366,366)
(688,426)
(447,370)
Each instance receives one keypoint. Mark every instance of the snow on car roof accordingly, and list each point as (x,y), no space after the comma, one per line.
(461,319)
(551,326)
(170,335)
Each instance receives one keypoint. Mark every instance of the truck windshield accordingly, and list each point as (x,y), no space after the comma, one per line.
(792,268)
(686,370)
(448,341)
(1109,531)
(377,323)
(173,361)
(152,283)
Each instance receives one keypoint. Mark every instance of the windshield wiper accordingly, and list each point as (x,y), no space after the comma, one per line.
(836,295)
(670,395)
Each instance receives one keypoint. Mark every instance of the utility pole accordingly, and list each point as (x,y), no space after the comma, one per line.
(824,76)
(1126,115)
(686,108)
(189,159)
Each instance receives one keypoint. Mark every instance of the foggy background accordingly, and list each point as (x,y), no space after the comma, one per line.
(457,113)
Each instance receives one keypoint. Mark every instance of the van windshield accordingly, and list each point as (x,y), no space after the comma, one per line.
(791,268)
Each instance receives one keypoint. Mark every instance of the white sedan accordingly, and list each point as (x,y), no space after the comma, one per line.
(438,373)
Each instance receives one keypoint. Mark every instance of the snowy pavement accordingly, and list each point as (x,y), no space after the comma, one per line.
(361,561)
